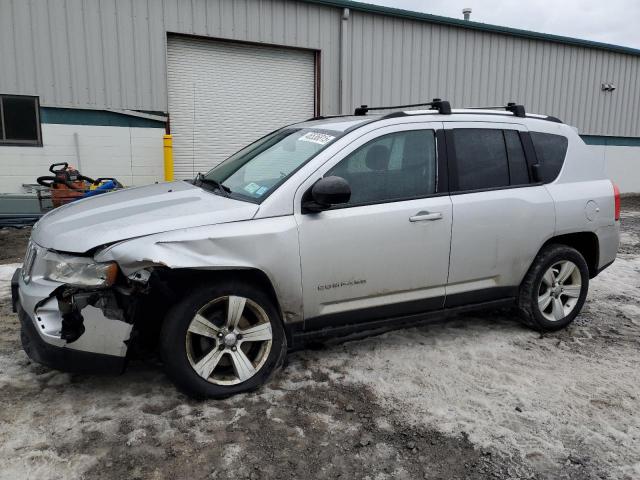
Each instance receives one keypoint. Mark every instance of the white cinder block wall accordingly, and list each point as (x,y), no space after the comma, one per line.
(131,154)
(134,156)
(623,166)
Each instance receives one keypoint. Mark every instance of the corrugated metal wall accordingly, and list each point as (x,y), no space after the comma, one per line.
(112,54)
(398,60)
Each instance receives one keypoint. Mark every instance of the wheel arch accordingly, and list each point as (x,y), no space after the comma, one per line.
(182,279)
(166,286)
(586,243)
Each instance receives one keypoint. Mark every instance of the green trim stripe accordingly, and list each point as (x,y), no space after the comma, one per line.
(611,141)
(76,116)
(485,27)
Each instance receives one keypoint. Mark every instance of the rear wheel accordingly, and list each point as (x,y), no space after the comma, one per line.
(221,340)
(554,289)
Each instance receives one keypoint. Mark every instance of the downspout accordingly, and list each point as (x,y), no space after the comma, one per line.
(76,142)
(344,25)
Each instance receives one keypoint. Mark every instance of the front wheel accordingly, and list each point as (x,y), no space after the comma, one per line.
(554,289)
(222,339)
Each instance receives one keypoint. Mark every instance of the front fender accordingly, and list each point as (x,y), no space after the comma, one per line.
(269,245)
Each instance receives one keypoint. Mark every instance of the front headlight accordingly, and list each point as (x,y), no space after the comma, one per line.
(80,271)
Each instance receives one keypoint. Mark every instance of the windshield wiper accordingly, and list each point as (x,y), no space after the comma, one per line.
(210,181)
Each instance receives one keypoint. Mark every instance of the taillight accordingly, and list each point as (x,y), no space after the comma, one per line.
(616,201)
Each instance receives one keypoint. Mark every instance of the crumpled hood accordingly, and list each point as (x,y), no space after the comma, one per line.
(111,217)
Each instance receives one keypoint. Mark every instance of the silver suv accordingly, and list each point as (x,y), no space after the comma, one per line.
(327,227)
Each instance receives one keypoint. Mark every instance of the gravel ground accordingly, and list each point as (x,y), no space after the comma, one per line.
(14,242)
(475,397)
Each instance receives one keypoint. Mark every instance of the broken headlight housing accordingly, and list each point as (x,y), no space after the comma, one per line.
(79,271)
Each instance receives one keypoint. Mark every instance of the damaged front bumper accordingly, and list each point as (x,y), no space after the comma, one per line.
(91,335)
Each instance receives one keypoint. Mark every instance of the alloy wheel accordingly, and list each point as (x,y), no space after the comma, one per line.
(559,290)
(229,340)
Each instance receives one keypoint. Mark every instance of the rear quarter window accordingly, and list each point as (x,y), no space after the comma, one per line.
(550,151)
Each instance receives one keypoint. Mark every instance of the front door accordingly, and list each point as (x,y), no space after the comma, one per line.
(386,252)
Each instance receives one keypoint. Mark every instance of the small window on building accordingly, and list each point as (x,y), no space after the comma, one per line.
(550,152)
(481,158)
(518,171)
(19,120)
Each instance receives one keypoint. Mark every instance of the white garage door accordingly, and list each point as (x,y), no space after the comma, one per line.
(223,96)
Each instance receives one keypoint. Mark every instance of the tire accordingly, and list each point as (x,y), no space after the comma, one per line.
(190,346)
(546,276)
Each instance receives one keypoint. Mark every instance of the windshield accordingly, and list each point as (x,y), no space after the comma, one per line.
(257,170)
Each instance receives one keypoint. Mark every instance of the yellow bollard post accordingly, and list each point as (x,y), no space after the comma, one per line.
(168,158)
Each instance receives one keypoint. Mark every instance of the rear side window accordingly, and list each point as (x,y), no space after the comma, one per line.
(550,152)
(518,171)
(481,158)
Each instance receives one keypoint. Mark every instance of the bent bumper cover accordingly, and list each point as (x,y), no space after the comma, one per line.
(61,358)
(101,348)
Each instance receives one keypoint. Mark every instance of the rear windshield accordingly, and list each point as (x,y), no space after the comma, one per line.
(550,152)
(257,170)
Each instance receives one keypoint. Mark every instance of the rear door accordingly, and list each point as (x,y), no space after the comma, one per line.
(500,216)
(386,252)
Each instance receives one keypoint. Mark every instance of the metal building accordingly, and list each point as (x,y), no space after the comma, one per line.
(112,75)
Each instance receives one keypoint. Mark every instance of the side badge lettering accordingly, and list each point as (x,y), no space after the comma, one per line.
(347,283)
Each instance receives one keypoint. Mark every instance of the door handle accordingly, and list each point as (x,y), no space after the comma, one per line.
(426,217)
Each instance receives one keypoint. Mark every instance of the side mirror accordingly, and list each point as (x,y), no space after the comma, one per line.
(327,192)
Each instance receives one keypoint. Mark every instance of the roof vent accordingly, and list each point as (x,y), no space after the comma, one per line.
(467,13)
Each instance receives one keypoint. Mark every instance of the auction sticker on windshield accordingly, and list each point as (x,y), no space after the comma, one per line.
(252,187)
(316,137)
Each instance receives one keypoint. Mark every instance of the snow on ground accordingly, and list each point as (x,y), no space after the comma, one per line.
(6,272)
(567,395)
(572,395)
(564,405)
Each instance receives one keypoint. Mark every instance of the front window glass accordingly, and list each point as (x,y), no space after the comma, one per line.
(254,172)
(392,167)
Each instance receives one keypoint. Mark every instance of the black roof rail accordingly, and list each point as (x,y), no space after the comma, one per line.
(552,119)
(517,110)
(323,117)
(442,106)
